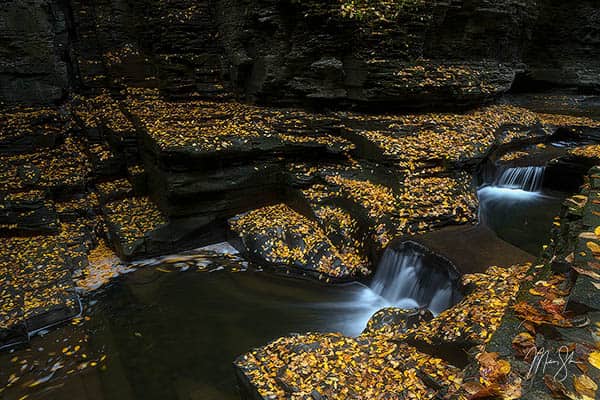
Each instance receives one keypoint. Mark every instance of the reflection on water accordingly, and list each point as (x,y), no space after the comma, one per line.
(172,332)
(522,218)
(175,335)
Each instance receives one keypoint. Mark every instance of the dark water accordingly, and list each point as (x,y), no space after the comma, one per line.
(519,217)
(175,335)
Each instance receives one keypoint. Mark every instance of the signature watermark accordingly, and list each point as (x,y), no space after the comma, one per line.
(545,362)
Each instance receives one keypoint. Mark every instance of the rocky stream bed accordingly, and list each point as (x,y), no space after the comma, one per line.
(410,186)
(327,193)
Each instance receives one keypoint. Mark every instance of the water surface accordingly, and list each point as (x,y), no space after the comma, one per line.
(175,335)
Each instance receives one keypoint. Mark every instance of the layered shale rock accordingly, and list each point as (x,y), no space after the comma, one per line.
(34,52)
(564,49)
(507,314)
(380,363)
(282,237)
(416,53)
(172,45)
(420,54)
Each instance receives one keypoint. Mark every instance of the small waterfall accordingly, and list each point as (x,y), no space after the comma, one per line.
(525,178)
(407,278)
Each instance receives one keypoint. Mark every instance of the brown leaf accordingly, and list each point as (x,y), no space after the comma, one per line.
(491,368)
(523,344)
(591,274)
(593,265)
(477,391)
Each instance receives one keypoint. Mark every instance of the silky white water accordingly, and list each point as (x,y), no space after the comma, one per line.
(403,279)
(528,179)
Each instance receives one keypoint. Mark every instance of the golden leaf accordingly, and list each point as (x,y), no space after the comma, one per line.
(594,359)
(585,386)
(594,247)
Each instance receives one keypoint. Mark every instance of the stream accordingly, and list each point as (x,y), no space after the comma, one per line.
(174,333)
(518,209)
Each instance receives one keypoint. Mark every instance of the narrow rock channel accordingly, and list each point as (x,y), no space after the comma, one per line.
(320,199)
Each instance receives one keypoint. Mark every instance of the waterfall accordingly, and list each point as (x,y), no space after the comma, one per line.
(525,178)
(406,279)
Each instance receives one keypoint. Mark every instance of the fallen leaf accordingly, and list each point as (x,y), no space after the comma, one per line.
(591,274)
(585,386)
(594,359)
(594,247)
(477,391)
(522,345)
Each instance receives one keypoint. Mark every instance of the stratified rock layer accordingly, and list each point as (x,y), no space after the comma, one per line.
(417,53)
(156,176)
(34,51)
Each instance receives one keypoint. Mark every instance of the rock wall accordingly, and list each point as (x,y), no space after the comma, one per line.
(440,53)
(565,47)
(34,51)
(170,45)
(432,54)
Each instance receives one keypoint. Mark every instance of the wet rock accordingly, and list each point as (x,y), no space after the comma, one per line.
(114,190)
(37,289)
(281,238)
(396,320)
(28,130)
(27,213)
(570,32)
(374,61)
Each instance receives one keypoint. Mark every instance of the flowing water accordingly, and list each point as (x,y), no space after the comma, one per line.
(528,179)
(517,208)
(404,279)
(174,335)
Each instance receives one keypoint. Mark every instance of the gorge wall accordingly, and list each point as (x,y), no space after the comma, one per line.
(34,51)
(429,53)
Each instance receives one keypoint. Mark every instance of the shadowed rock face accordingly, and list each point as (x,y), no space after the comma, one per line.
(34,45)
(565,47)
(434,54)
(443,53)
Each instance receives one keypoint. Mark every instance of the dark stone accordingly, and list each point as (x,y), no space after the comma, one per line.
(34,45)
(27,215)
(444,53)
(564,49)
(396,320)
(308,52)
(29,174)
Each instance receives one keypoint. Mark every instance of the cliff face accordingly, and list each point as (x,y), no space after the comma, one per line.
(432,53)
(34,47)
(169,45)
(438,53)
(565,48)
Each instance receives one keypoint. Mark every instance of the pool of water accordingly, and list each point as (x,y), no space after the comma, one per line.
(175,335)
(520,217)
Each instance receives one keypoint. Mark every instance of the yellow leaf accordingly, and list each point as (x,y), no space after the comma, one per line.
(594,359)
(585,385)
(594,247)
(597,231)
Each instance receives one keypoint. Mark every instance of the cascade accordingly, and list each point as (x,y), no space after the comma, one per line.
(524,178)
(406,279)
